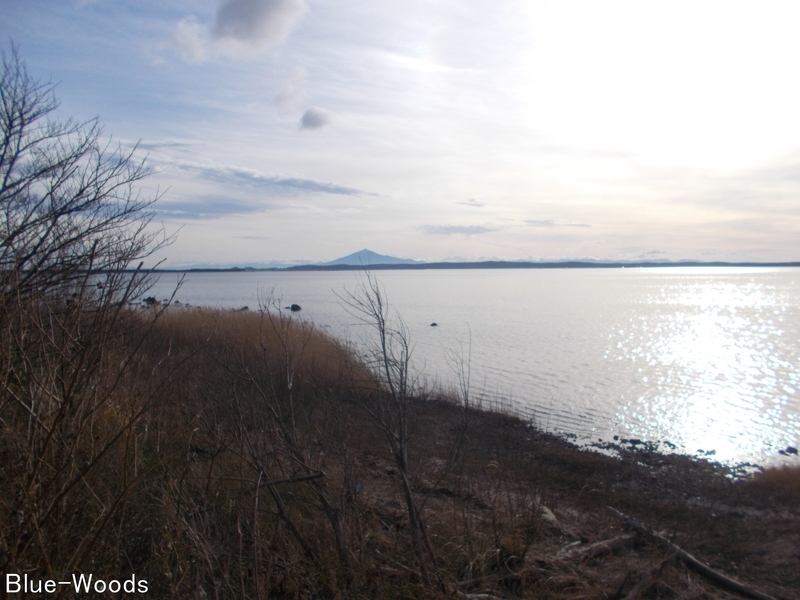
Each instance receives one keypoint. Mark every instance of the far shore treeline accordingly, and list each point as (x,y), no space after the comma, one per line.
(490,264)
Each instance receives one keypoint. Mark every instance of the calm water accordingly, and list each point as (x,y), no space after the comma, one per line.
(705,358)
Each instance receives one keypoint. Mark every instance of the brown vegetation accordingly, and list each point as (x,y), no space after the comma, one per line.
(782,482)
(236,456)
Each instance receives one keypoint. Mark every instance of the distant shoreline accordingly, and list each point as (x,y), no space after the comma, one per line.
(482,265)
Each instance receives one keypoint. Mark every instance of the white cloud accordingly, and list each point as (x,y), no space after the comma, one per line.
(471,202)
(553,223)
(231,176)
(458,230)
(315,118)
(292,88)
(191,40)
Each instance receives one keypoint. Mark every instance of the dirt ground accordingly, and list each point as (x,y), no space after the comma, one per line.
(552,516)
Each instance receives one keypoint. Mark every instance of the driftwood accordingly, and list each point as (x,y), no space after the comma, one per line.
(690,560)
(596,549)
(648,579)
(464,596)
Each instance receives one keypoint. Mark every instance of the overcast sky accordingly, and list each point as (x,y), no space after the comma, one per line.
(449,129)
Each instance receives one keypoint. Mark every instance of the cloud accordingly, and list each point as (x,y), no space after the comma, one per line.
(208,207)
(553,223)
(658,255)
(252,24)
(165,143)
(242,176)
(258,22)
(459,230)
(315,118)
(190,38)
(471,202)
(292,88)
(768,188)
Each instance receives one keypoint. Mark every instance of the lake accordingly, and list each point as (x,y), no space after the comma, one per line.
(706,358)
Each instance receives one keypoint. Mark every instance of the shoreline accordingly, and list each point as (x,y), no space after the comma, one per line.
(237,454)
(714,511)
(615,447)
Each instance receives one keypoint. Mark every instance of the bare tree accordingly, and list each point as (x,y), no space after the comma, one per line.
(69,201)
(71,223)
(389,356)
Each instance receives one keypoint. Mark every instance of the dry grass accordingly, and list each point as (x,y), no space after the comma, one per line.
(780,482)
(239,459)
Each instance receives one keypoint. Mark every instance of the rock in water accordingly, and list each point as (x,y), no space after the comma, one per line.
(295,307)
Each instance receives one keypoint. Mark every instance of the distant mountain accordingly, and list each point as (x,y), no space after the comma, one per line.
(368,257)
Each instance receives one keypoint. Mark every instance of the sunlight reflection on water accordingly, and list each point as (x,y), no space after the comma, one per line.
(714,367)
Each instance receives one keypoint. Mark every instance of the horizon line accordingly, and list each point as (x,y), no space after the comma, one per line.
(490,264)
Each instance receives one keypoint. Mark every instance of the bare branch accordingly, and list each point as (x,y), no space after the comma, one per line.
(68,200)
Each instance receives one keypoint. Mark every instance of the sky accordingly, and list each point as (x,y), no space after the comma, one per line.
(303,130)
